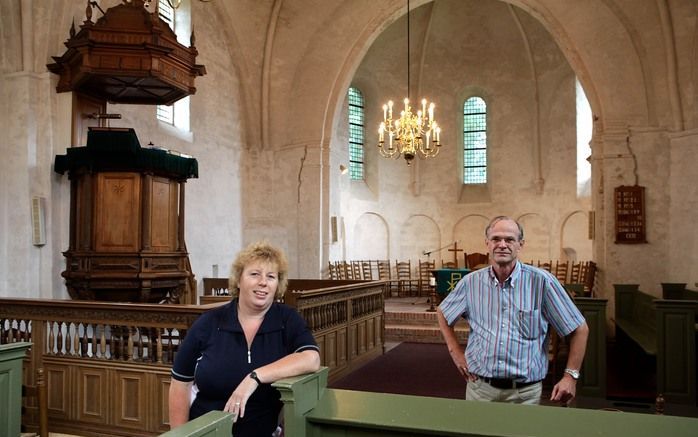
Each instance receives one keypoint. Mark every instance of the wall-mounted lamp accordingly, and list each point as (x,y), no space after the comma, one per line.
(343,169)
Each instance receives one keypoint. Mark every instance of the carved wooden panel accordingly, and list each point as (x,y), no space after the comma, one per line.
(370,334)
(361,337)
(163,214)
(81,215)
(130,399)
(352,341)
(378,324)
(330,349)
(160,396)
(117,211)
(92,400)
(58,379)
(342,358)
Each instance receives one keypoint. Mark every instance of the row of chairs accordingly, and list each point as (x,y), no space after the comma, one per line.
(381,269)
(571,272)
(406,281)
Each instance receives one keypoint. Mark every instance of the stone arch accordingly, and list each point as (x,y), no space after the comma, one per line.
(574,237)
(469,231)
(537,237)
(420,233)
(371,237)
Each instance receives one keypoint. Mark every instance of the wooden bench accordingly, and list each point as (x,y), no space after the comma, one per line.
(666,329)
(636,316)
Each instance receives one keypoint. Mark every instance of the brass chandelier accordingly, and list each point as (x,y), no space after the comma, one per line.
(413,134)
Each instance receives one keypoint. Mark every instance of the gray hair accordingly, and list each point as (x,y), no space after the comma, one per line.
(500,218)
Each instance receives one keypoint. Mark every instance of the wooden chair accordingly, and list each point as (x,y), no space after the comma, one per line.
(589,278)
(356,270)
(448,265)
(384,273)
(474,261)
(560,271)
(403,274)
(545,265)
(332,271)
(366,271)
(343,270)
(576,272)
(425,268)
(35,405)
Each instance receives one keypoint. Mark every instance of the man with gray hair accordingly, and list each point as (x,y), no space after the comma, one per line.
(509,306)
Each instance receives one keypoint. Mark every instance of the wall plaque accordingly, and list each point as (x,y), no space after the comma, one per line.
(630,215)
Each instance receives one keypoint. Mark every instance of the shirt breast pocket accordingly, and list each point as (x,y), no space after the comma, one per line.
(530,324)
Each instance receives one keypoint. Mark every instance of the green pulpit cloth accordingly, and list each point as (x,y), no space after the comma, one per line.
(446,279)
(118,149)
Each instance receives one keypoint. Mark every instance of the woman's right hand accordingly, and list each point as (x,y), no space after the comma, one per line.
(238,400)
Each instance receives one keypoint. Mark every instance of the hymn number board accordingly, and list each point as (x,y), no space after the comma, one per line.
(630,214)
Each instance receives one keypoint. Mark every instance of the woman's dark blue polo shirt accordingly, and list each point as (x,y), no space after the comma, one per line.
(214,355)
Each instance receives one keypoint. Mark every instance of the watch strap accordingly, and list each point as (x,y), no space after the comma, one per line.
(254,376)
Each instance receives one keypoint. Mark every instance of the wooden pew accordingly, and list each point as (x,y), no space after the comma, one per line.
(665,329)
(678,291)
(635,315)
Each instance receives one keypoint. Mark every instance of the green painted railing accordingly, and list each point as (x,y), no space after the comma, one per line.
(312,410)
(211,424)
(11,356)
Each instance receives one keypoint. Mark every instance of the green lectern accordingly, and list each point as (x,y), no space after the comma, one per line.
(446,280)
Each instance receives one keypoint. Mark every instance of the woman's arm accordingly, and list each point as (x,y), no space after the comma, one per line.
(293,364)
(179,401)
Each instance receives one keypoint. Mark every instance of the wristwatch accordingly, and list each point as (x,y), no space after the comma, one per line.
(254,376)
(573,373)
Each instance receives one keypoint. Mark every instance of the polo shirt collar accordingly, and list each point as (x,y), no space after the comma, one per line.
(272,319)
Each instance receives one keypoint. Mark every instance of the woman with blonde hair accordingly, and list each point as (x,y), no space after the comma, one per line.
(234,352)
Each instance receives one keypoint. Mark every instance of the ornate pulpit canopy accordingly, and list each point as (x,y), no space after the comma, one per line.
(128,56)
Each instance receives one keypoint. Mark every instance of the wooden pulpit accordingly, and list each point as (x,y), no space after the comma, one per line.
(126,220)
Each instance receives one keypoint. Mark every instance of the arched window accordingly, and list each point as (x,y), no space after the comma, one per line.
(356,134)
(176,114)
(475,141)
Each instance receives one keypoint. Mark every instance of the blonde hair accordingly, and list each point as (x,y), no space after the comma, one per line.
(259,251)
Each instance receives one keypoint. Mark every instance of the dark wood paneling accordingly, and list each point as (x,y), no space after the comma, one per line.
(92,396)
(130,396)
(117,211)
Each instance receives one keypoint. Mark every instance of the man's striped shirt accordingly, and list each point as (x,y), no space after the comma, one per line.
(509,321)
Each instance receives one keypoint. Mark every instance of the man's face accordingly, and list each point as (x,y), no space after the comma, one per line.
(503,242)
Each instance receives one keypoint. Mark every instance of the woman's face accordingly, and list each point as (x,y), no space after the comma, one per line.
(258,283)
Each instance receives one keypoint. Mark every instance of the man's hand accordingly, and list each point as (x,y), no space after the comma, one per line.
(565,390)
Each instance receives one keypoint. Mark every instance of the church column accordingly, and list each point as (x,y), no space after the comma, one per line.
(630,156)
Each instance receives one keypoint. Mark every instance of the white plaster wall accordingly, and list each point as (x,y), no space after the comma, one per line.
(476,38)
(266,123)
